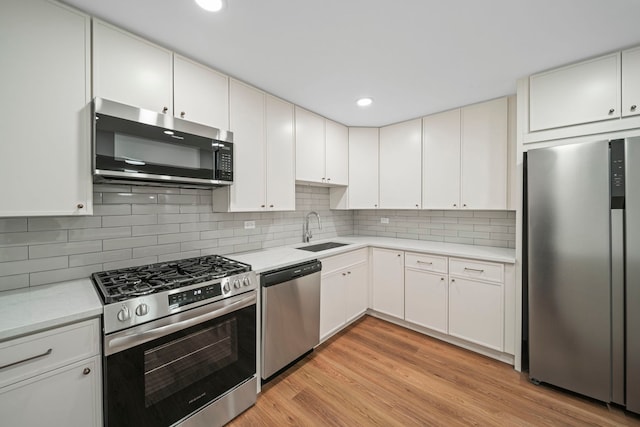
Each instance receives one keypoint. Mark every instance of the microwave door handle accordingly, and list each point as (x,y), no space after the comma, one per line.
(135,336)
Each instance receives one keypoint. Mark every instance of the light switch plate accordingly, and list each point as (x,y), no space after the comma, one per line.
(249,225)
(384,220)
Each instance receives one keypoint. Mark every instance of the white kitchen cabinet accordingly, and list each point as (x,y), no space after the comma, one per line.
(45,85)
(200,93)
(400,165)
(321,150)
(344,291)
(476,307)
(131,70)
(631,82)
(61,385)
(585,92)
(426,291)
(441,160)
(337,153)
(363,168)
(264,177)
(388,282)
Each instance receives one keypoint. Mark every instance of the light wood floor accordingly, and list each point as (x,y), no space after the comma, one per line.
(377,373)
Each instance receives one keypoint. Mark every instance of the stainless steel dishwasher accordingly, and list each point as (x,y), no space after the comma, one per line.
(290,314)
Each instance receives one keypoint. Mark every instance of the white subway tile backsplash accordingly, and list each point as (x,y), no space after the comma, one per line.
(177,199)
(71,248)
(156,250)
(27,266)
(32,238)
(99,257)
(17,281)
(65,222)
(178,255)
(178,237)
(105,210)
(199,244)
(99,233)
(154,209)
(123,220)
(14,253)
(177,218)
(119,198)
(11,225)
(130,263)
(129,242)
(147,230)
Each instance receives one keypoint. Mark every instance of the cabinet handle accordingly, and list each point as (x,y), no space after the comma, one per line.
(455,205)
(348,272)
(270,206)
(464,205)
(344,274)
(375,206)
(262,206)
(46,353)
(328,179)
(182,114)
(399,255)
(164,110)
(633,107)
(453,280)
(477,270)
(86,371)
(611,110)
(417,205)
(424,262)
(442,278)
(323,178)
(80,206)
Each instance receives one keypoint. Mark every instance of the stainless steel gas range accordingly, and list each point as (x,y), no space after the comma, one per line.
(179,342)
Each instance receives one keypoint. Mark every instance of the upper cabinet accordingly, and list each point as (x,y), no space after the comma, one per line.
(45,150)
(200,94)
(321,149)
(264,168)
(131,70)
(134,71)
(400,165)
(465,157)
(363,169)
(631,82)
(579,93)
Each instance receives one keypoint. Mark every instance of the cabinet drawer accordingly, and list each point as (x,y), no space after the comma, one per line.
(482,270)
(425,262)
(338,262)
(34,354)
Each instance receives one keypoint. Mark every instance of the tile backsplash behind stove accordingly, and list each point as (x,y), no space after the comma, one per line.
(135,225)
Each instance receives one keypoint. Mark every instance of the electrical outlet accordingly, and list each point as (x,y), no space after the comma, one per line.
(384,220)
(249,225)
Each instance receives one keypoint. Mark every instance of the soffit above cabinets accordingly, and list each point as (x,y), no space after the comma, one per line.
(414,57)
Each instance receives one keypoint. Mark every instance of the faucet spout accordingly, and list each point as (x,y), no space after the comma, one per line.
(306,232)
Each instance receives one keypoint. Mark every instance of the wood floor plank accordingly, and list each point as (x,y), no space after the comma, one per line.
(376,373)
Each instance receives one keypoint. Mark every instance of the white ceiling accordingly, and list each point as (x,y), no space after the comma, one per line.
(414,57)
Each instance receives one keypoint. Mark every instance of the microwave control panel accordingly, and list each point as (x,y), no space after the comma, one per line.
(224,161)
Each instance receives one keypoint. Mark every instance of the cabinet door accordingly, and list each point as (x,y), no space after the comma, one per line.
(332,303)
(579,93)
(337,153)
(281,168)
(45,150)
(631,82)
(484,155)
(441,160)
(246,115)
(357,289)
(476,312)
(425,299)
(363,168)
(69,396)
(200,94)
(131,70)
(401,165)
(388,282)
(310,146)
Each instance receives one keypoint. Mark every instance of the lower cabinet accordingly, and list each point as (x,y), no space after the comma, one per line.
(343,291)
(426,299)
(52,378)
(388,281)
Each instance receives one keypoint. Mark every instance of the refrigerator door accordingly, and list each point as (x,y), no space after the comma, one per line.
(632,197)
(569,268)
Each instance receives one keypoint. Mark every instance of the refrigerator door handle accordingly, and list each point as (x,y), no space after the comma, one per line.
(617,307)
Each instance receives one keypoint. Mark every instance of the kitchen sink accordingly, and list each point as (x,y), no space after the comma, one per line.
(322,246)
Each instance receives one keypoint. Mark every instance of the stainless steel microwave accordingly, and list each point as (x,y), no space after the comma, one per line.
(136,146)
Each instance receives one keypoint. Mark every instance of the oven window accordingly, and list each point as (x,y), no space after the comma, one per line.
(176,365)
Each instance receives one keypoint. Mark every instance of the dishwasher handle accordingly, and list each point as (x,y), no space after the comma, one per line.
(275,277)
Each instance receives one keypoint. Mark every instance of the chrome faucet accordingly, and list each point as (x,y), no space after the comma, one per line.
(306,232)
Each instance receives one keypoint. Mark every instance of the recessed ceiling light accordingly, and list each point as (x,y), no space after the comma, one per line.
(364,102)
(211,5)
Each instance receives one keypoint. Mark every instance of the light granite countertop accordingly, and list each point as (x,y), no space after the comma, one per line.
(29,310)
(269,259)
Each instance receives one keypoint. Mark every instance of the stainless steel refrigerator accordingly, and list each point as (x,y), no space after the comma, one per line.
(583,253)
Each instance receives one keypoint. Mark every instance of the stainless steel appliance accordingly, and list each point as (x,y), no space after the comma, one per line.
(179,342)
(132,145)
(584,269)
(290,315)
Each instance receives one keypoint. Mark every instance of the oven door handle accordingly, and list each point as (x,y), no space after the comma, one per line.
(132,337)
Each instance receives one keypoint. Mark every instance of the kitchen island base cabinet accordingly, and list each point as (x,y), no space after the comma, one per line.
(388,282)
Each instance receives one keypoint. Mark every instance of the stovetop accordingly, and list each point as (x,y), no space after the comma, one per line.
(127,283)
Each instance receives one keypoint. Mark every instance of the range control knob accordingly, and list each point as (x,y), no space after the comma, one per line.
(124,314)
(142,309)
(236,284)
(226,288)
(246,281)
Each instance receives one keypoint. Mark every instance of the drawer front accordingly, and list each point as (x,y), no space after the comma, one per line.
(481,270)
(34,354)
(338,262)
(425,262)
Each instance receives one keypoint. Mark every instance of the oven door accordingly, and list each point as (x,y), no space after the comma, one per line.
(158,373)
